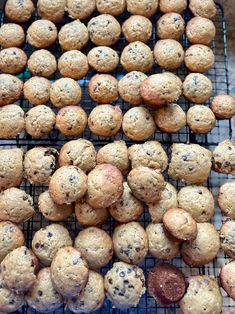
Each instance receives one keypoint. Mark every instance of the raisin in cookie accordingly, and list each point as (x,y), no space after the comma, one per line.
(200,30)
(227,238)
(37,90)
(11,35)
(103,59)
(41,34)
(103,88)
(142,7)
(80,9)
(201,119)
(137,28)
(19,11)
(11,89)
(204,8)
(168,6)
(12,60)
(223,106)
(112,7)
(42,63)
(224,157)
(199,58)
(12,121)
(170,26)
(52,10)
(226,200)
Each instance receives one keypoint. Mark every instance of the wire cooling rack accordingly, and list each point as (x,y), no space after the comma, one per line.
(219,77)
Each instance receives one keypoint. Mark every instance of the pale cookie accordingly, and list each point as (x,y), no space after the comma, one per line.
(224,157)
(227,274)
(223,106)
(142,7)
(201,119)
(12,60)
(169,54)
(80,9)
(227,238)
(103,88)
(41,34)
(42,63)
(199,58)
(112,7)
(19,11)
(200,30)
(137,28)
(170,26)
(52,10)
(37,90)
(168,6)
(11,35)
(12,121)
(204,8)
(226,199)
(11,89)
(103,59)
(197,88)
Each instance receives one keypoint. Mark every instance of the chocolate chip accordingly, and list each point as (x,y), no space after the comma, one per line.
(110,281)
(122,274)
(49,234)
(40,293)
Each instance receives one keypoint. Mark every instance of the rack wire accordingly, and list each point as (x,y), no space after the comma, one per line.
(219,77)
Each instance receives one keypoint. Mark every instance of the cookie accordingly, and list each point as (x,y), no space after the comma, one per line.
(73,36)
(67,185)
(203,8)
(224,157)
(105,120)
(39,164)
(204,248)
(67,261)
(227,238)
(12,60)
(41,34)
(226,200)
(73,64)
(200,30)
(129,87)
(223,106)
(19,11)
(146,184)
(51,10)
(190,163)
(201,119)
(47,241)
(103,88)
(112,7)
(11,35)
(169,54)
(138,124)
(103,59)
(104,30)
(12,120)
(142,7)
(199,58)
(124,285)
(197,88)
(137,56)
(137,28)
(11,89)
(80,9)
(198,201)
(42,63)
(170,26)
(227,278)
(37,90)
(104,186)
(168,6)
(170,118)
(95,245)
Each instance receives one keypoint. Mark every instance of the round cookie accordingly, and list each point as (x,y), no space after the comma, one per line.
(41,34)
(190,163)
(39,121)
(142,7)
(227,278)
(137,56)
(104,186)
(170,26)
(227,238)
(12,121)
(67,261)
(52,10)
(200,30)
(11,35)
(197,88)
(169,54)
(37,90)
(12,60)
(67,185)
(203,8)
(47,241)
(16,206)
(223,106)
(42,296)
(39,164)
(19,11)
(199,58)
(170,118)
(104,30)
(103,88)
(204,248)
(201,119)
(11,89)
(129,87)
(112,7)
(226,200)
(168,6)
(198,201)
(65,92)
(95,245)
(137,28)
(73,64)
(80,9)
(103,59)
(146,184)
(105,120)
(138,124)
(127,278)
(71,120)
(42,63)
(224,157)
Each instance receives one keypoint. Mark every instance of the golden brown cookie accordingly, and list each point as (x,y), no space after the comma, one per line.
(112,7)
(11,35)
(142,7)
(41,34)
(227,239)
(103,88)
(170,26)
(52,10)
(12,60)
(204,8)
(11,89)
(103,59)
(200,30)
(199,58)
(19,11)
(137,28)
(224,157)
(168,53)
(42,63)
(80,9)
(177,6)
(37,90)
(12,121)
(226,200)
(197,88)
(227,278)
(201,119)
(223,106)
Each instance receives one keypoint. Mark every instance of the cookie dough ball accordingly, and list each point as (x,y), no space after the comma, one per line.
(67,185)
(42,296)
(67,261)
(52,10)
(113,7)
(65,92)
(161,89)
(142,7)
(204,248)
(198,201)
(223,106)
(227,238)
(104,30)
(197,88)
(169,54)
(80,9)
(104,186)
(11,89)
(91,298)
(129,279)
(42,63)
(52,211)
(105,120)
(11,35)
(42,34)
(19,11)
(190,163)
(12,60)
(39,121)
(226,199)
(168,6)
(227,274)
(170,119)
(47,241)
(37,90)
(95,245)
(138,124)
(16,206)
(200,30)
(103,59)
(137,56)
(201,119)
(137,28)
(73,36)
(18,269)
(203,296)
(224,158)
(115,154)
(203,8)
(39,164)
(73,64)
(12,120)
(199,58)
(103,88)
(146,184)
(11,167)
(80,153)
(170,26)
(129,87)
